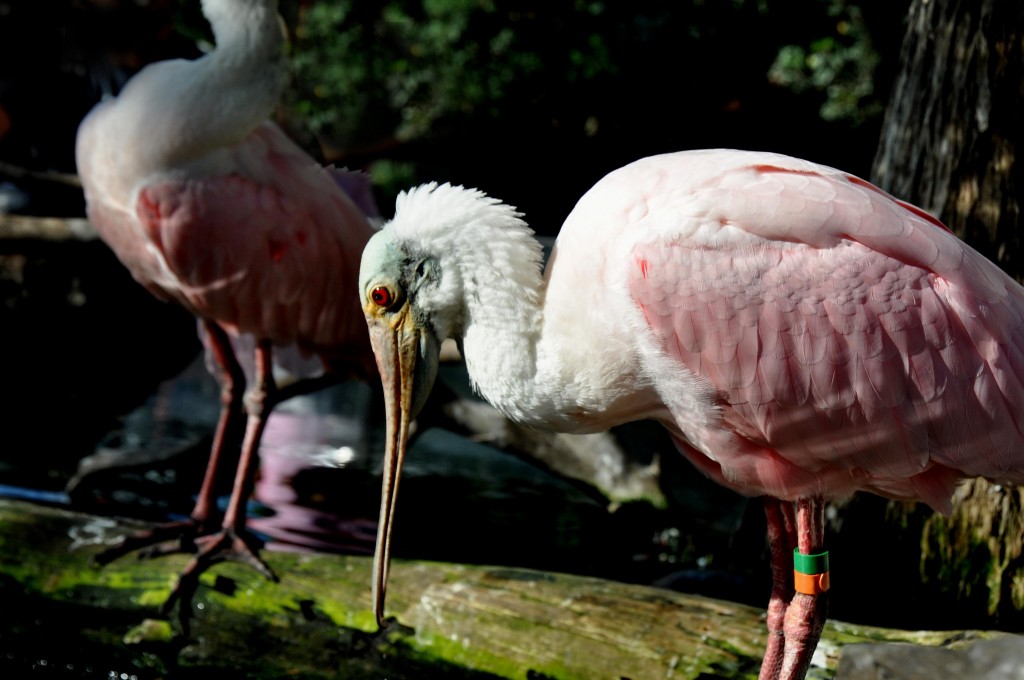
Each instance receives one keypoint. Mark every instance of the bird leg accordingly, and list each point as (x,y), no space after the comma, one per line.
(233,542)
(179,537)
(806,613)
(232,380)
(781,539)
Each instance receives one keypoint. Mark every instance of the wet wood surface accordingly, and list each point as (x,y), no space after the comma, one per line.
(453,621)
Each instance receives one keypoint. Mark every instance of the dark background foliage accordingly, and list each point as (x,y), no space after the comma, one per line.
(529,100)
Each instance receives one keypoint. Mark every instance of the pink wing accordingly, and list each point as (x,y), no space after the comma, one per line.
(854,343)
(272,249)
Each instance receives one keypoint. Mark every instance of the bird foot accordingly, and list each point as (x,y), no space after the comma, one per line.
(222,546)
(164,539)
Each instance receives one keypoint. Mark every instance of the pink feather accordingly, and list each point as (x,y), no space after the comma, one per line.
(852,341)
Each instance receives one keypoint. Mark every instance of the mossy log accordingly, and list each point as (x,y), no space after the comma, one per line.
(454,621)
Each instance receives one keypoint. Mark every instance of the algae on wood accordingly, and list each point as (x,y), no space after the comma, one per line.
(457,621)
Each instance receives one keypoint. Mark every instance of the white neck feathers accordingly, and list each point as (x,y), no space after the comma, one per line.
(490,294)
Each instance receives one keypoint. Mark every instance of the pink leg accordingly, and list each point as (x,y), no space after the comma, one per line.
(781,539)
(233,542)
(232,384)
(806,614)
(260,401)
(182,535)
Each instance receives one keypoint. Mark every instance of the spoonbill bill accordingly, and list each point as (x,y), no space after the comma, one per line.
(800,333)
(210,205)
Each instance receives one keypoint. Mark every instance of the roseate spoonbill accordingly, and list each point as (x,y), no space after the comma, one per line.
(210,205)
(802,335)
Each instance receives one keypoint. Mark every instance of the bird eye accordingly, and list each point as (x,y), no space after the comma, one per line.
(381,296)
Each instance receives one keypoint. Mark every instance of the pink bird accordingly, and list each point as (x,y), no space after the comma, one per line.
(800,333)
(210,205)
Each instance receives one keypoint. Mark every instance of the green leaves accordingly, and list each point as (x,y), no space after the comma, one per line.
(841,65)
(401,67)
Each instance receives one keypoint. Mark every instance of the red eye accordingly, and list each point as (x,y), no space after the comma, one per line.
(381,296)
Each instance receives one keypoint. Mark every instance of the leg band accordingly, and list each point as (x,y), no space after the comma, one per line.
(810,573)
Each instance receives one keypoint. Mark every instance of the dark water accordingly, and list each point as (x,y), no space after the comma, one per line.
(319,478)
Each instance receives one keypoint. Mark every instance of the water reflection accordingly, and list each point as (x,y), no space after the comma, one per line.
(318,485)
(314,447)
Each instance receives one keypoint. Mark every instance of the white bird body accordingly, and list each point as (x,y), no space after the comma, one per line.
(751,233)
(168,106)
(530,351)
(802,335)
(209,204)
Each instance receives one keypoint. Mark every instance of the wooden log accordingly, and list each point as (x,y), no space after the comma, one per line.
(46,228)
(455,621)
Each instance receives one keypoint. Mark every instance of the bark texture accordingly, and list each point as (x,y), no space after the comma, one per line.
(953,127)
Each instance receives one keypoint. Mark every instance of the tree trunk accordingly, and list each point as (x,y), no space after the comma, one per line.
(952,130)
(949,144)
